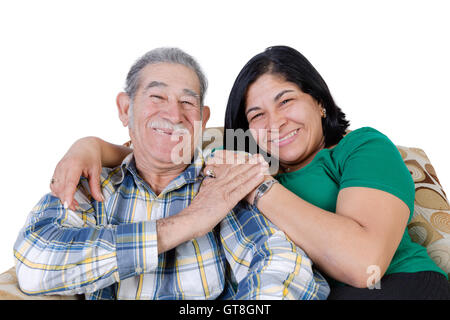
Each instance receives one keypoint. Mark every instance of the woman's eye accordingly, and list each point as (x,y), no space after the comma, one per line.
(285,101)
(256,116)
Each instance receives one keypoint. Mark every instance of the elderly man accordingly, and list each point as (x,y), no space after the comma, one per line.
(157,234)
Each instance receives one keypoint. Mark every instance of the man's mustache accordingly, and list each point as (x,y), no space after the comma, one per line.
(176,128)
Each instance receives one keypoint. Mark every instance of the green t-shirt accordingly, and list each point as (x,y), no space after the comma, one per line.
(363,158)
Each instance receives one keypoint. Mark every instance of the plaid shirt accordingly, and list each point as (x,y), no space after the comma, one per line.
(108,250)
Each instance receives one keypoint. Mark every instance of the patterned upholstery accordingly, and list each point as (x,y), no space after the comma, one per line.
(430,225)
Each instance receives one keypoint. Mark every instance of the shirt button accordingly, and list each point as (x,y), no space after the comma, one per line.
(138,270)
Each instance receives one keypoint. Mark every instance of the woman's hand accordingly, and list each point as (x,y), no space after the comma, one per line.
(84,158)
(220,194)
(222,160)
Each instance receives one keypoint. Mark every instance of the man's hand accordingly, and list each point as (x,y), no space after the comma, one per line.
(82,159)
(216,198)
(222,159)
(232,183)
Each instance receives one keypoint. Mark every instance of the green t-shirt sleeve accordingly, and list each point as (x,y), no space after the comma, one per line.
(369,159)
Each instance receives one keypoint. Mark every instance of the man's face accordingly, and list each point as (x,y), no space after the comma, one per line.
(166,112)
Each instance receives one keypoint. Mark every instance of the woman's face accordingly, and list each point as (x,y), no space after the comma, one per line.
(285,121)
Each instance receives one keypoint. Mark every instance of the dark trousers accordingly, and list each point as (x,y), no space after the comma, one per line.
(426,285)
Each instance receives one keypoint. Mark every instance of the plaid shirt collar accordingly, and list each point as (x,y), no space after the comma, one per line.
(192,174)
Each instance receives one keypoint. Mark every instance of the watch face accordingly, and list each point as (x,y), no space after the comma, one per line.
(263,188)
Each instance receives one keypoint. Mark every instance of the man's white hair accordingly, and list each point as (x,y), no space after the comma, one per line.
(165,55)
(162,55)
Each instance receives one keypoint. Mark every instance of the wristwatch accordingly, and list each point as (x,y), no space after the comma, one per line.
(262,189)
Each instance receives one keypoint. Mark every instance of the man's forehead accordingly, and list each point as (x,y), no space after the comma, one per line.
(170,75)
(160,84)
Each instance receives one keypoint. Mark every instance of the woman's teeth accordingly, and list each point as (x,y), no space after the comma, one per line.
(293,133)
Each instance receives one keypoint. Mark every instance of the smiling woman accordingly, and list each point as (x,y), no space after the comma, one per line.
(292,78)
(344,199)
(289,121)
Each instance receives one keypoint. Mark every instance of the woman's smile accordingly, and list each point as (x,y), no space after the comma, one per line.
(286,139)
(291,117)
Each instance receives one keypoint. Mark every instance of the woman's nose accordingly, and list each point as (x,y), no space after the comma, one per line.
(276,121)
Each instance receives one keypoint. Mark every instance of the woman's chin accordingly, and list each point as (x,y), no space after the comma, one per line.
(290,157)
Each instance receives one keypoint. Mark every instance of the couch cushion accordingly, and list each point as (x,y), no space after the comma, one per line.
(430,224)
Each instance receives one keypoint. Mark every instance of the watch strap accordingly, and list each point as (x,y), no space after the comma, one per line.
(262,189)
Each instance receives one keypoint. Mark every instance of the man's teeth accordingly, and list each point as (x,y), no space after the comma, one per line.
(175,132)
(161,131)
(293,133)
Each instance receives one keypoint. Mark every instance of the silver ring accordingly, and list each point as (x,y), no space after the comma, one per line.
(210,173)
(53,180)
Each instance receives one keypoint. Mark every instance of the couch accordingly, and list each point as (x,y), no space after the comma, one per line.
(430,225)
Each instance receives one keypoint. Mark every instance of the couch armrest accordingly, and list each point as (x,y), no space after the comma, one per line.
(9,290)
(430,224)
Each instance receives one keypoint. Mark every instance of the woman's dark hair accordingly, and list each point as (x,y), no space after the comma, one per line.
(293,67)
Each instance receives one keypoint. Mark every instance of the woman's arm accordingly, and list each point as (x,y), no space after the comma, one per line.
(86,157)
(365,230)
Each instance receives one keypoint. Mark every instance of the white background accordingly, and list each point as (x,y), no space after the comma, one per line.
(62,63)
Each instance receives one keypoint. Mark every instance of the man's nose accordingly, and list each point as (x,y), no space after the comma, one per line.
(174,111)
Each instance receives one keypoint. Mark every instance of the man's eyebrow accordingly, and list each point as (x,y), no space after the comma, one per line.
(162,84)
(191,93)
(155,84)
(280,94)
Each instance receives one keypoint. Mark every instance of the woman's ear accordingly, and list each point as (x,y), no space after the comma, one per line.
(323,111)
(123,106)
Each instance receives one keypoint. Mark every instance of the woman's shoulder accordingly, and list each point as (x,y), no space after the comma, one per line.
(362,136)
(364,133)
(365,141)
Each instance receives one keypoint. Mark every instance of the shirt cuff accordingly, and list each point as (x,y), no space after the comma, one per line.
(136,248)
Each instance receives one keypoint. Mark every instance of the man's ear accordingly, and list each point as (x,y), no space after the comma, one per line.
(123,105)
(206,114)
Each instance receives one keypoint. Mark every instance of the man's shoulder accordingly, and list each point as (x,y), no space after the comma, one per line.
(112,176)
(110,179)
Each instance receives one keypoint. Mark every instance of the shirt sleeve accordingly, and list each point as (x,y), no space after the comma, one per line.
(60,251)
(264,263)
(369,159)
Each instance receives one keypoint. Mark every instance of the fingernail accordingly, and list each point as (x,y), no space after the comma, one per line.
(260,158)
(66,205)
